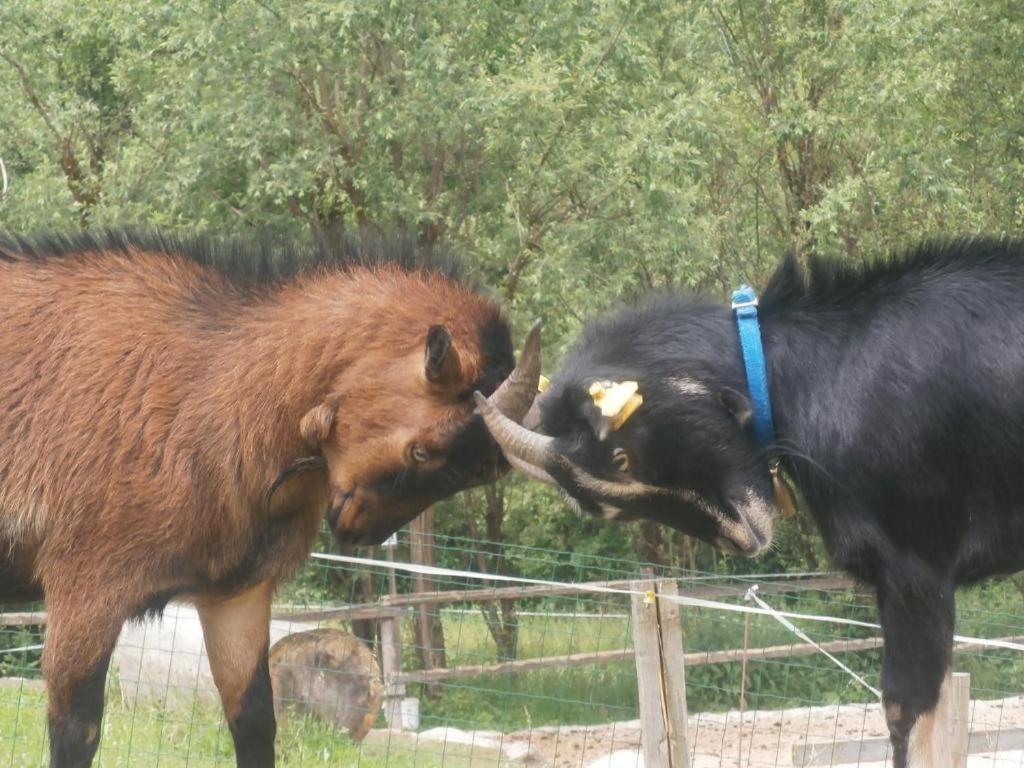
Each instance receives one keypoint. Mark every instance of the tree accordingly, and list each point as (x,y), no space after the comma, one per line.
(575,153)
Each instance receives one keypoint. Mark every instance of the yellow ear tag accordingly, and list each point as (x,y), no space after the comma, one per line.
(617,401)
(543,383)
(628,409)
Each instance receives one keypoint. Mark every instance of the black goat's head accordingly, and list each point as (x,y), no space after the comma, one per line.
(626,436)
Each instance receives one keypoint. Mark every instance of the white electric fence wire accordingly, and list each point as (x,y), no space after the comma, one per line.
(23,648)
(692,602)
(547,614)
(752,596)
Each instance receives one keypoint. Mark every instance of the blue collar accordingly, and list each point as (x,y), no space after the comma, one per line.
(744,304)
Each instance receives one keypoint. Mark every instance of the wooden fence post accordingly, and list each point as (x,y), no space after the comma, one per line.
(959,717)
(391,668)
(661,683)
(427,617)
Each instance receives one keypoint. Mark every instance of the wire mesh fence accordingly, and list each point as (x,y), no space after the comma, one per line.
(380,666)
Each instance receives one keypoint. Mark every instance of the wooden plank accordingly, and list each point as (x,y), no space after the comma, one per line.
(697,658)
(959,716)
(653,733)
(670,626)
(520,665)
(382,609)
(784,586)
(961,647)
(448,597)
(24,619)
(692,659)
(877,749)
(341,613)
(495,593)
(544,590)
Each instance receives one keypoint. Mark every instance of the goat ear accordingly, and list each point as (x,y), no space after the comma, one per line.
(440,360)
(737,404)
(316,424)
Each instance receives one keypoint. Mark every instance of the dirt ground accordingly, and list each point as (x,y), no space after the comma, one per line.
(758,740)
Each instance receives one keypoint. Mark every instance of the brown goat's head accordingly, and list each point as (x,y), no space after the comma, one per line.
(400,430)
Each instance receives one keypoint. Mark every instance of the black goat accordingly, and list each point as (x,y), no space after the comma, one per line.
(898,397)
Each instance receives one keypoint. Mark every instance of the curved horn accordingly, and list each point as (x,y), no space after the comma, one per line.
(520,446)
(536,473)
(515,395)
(532,418)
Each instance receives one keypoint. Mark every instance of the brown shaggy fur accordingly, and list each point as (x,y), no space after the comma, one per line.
(149,401)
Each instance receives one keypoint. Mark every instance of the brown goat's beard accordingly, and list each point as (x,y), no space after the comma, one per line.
(297,467)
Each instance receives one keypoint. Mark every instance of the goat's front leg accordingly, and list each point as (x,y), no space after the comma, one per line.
(237,635)
(81,632)
(917,623)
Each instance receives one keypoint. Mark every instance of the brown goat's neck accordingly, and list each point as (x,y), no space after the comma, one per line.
(293,348)
(282,356)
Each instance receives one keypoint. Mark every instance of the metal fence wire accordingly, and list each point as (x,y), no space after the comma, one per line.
(378,664)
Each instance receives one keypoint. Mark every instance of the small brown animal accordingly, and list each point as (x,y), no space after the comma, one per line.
(177,418)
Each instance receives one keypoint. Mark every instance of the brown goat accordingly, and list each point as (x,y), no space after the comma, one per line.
(175,421)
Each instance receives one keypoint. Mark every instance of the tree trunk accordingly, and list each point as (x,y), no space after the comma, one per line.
(500,616)
(367,630)
(429,630)
(649,542)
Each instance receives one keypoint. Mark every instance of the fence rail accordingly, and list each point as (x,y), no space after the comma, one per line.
(651,638)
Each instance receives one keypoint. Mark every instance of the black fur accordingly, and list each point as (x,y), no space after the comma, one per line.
(75,735)
(661,339)
(898,395)
(16,586)
(153,607)
(439,344)
(253,728)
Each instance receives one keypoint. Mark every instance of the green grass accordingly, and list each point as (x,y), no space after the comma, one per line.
(608,692)
(605,693)
(198,738)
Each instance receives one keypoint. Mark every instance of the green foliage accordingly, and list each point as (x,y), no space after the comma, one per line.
(22,663)
(577,154)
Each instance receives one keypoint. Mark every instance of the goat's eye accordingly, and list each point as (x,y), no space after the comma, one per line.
(418,454)
(620,460)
